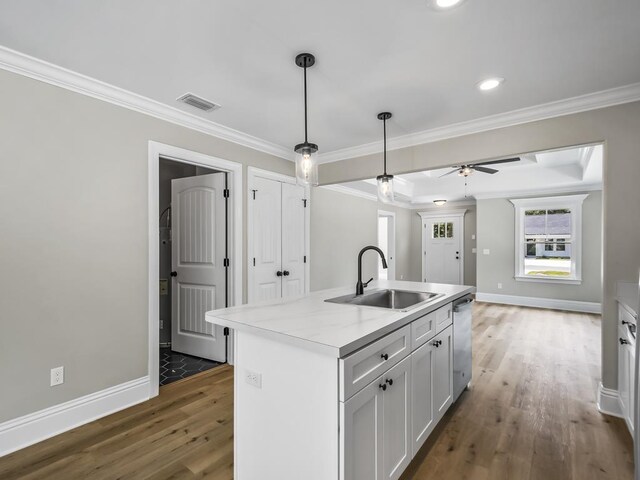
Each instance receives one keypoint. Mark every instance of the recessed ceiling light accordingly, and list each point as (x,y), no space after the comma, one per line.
(439,202)
(447,3)
(490,83)
(444,4)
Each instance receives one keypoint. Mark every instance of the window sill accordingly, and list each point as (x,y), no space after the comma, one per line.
(565,281)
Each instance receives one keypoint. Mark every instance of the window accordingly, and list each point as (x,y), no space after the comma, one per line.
(548,239)
(442,230)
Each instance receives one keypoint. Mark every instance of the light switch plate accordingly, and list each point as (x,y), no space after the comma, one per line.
(164,286)
(473,236)
(474,250)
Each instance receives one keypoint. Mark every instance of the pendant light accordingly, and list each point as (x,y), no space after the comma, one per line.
(385,182)
(306,153)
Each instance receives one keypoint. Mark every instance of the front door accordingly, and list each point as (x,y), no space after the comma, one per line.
(443,243)
(197,264)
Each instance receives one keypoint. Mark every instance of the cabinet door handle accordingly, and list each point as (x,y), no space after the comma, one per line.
(383,386)
(623,341)
(174,274)
(384,356)
(437,343)
(285,273)
(389,381)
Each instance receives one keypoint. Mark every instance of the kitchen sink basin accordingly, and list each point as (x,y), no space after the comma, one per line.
(391,299)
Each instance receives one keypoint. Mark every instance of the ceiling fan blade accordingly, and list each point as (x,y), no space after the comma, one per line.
(495,162)
(485,169)
(449,173)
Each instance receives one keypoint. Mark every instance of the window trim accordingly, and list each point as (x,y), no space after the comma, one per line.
(572,202)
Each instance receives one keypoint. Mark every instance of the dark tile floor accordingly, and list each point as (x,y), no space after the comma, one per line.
(174,365)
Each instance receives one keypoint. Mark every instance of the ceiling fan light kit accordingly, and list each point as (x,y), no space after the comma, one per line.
(385,181)
(306,152)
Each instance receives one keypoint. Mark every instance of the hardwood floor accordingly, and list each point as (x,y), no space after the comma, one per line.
(530,414)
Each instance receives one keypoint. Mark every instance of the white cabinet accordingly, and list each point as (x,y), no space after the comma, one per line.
(431,385)
(396,412)
(443,372)
(375,430)
(626,364)
(361,434)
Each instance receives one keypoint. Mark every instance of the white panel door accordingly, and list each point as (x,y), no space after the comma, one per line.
(396,428)
(293,240)
(423,415)
(197,264)
(443,250)
(361,434)
(442,372)
(266,257)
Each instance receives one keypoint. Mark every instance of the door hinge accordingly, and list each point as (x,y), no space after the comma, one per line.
(254,193)
(254,261)
(304,200)
(225,262)
(226,193)
(305,259)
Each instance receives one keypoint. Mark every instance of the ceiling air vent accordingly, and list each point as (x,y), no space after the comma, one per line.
(198,102)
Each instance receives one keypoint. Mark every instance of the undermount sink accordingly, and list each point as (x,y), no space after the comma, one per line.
(391,299)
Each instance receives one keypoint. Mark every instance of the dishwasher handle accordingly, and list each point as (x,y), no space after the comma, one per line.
(462,302)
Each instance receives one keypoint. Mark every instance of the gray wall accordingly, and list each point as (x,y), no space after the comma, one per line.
(73,204)
(496,224)
(616,126)
(469,243)
(341,225)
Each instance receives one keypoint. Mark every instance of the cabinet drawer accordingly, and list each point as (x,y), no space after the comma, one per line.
(360,368)
(425,328)
(444,317)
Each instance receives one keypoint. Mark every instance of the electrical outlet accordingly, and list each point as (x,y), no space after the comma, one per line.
(401,277)
(499,285)
(486,251)
(164,286)
(473,236)
(161,324)
(253,378)
(57,376)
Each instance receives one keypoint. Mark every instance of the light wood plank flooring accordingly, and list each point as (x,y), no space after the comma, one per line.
(530,414)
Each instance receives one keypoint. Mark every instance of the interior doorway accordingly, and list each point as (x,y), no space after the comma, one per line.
(193,271)
(387,243)
(195,260)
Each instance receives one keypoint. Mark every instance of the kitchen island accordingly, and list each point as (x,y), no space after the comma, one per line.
(332,391)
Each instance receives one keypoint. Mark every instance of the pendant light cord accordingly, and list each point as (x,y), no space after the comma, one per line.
(305,104)
(384,128)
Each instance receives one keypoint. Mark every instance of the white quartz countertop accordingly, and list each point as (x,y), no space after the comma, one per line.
(333,329)
(627,294)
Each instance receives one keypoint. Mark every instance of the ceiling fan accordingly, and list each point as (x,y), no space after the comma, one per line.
(466,170)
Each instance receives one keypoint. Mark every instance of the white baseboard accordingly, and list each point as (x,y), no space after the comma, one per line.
(32,428)
(608,401)
(551,303)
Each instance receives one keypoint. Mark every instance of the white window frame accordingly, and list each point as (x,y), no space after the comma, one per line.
(572,202)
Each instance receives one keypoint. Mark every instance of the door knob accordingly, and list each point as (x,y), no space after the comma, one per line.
(174,274)
(278,273)
(285,273)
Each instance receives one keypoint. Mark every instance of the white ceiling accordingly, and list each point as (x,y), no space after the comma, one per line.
(373,55)
(557,171)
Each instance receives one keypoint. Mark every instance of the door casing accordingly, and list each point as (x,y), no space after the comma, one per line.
(428,216)
(156,151)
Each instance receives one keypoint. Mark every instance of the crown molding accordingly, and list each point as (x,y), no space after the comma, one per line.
(582,103)
(541,193)
(37,69)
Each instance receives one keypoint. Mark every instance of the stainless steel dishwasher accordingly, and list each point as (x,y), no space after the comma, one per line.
(461,344)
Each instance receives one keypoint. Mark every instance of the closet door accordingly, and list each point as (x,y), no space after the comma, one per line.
(293,240)
(267,240)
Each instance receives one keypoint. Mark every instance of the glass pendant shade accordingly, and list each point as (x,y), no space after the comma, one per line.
(385,188)
(307,167)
